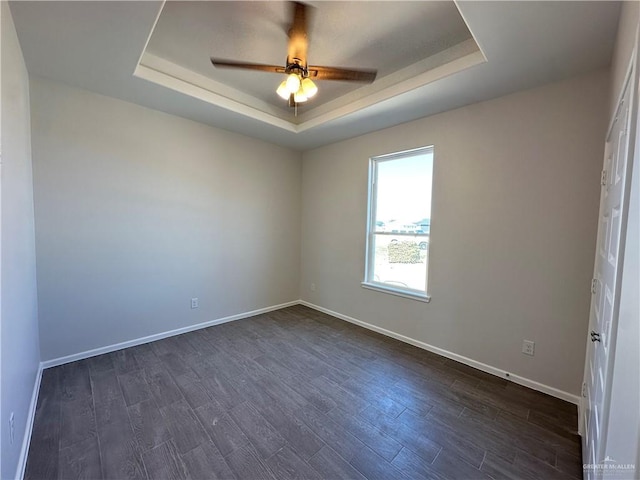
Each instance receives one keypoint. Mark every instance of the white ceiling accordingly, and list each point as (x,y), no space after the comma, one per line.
(426,61)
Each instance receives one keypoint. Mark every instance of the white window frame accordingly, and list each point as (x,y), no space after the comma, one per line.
(371,231)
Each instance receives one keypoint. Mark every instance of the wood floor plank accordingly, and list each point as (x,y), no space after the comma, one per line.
(294,431)
(331,432)
(134,387)
(222,390)
(246,463)
(416,466)
(111,411)
(314,366)
(376,396)
(206,461)
(374,467)
(148,424)
(185,428)
(162,347)
(81,461)
(77,421)
(331,465)
(286,465)
(249,348)
(242,365)
(200,344)
(525,461)
(222,429)
(344,399)
(281,393)
(262,435)
(301,384)
(450,465)
(174,363)
(380,443)
(329,361)
(193,390)
(182,346)
(121,457)
(541,443)
(411,351)
(144,356)
(75,380)
(124,361)
(559,426)
(161,385)
(100,363)
(455,441)
(436,394)
(498,398)
(248,390)
(569,464)
(501,469)
(485,434)
(539,401)
(164,462)
(105,386)
(403,432)
(475,373)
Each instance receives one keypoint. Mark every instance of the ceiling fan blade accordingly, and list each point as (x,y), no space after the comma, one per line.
(350,75)
(223,63)
(298,38)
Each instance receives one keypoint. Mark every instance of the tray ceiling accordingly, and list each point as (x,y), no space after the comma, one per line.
(406,41)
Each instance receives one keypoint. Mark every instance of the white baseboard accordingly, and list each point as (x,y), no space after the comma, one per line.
(159,336)
(31,415)
(554,392)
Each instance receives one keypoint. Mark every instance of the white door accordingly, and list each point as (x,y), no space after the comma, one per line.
(606,282)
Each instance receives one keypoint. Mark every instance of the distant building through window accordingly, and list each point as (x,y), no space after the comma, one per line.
(399,225)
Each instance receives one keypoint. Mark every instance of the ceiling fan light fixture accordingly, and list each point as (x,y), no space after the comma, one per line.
(293,83)
(283,91)
(308,87)
(299,96)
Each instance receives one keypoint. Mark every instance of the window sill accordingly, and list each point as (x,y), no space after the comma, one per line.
(421,297)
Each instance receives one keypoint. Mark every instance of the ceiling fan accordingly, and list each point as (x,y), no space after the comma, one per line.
(298,87)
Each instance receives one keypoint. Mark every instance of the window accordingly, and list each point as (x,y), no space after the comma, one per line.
(399,223)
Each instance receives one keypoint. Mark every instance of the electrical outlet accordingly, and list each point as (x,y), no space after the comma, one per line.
(528,347)
(12,428)
(313,287)
(194,303)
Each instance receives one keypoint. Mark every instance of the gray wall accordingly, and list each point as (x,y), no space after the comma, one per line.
(138,211)
(515,204)
(19,348)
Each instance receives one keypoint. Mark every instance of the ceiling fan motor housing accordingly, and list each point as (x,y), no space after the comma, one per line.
(296,66)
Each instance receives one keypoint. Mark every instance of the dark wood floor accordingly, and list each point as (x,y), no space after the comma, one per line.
(293,394)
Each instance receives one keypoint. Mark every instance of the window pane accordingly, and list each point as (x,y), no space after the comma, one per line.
(401,220)
(401,262)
